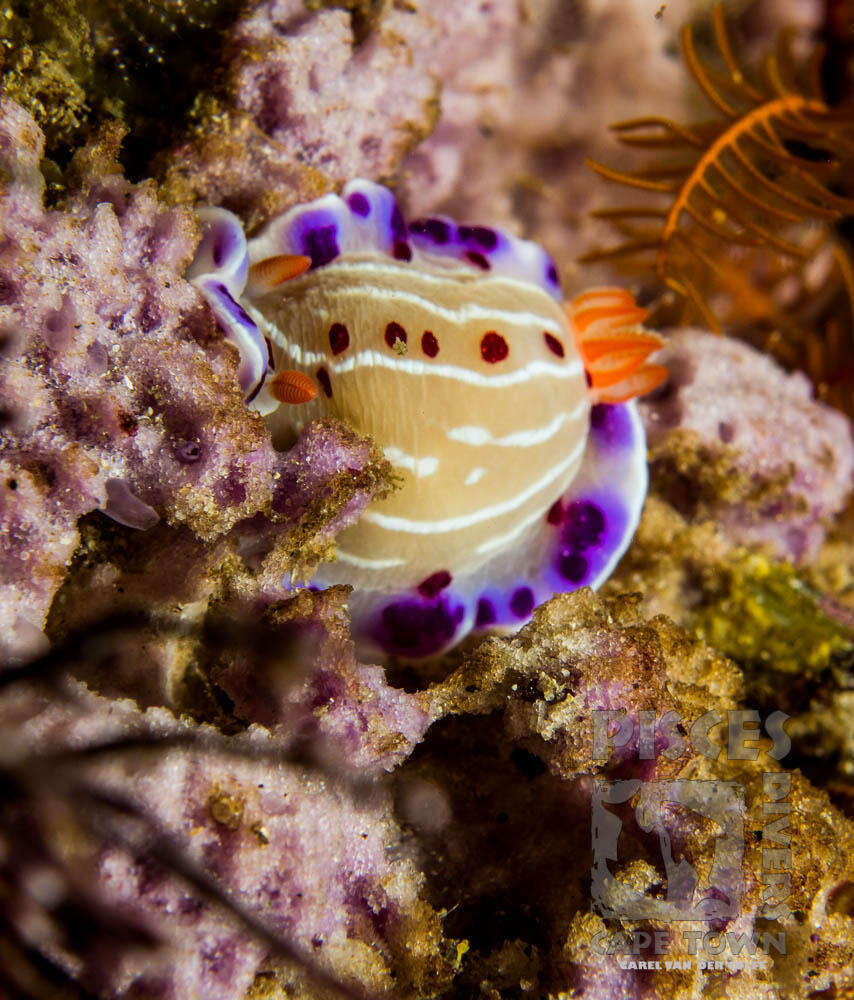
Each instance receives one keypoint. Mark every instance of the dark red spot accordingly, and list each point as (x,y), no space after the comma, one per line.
(402,250)
(393,333)
(322,376)
(554,345)
(555,514)
(493,347)
(588,378)
(522,602)
(429,344)
(435,584)
(477,258)
(339,338)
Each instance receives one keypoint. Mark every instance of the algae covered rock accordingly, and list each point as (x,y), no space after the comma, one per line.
(185,865)
(120,395)
(735,440)
(520,772)
(79,65)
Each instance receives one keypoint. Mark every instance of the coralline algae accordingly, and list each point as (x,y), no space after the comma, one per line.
(118,393)
(737,441)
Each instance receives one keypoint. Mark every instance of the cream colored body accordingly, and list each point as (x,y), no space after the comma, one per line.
(482,449)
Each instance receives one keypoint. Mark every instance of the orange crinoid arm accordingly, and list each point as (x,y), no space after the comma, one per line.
(614,347)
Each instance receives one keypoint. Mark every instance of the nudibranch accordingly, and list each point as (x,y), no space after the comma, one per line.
(507,413)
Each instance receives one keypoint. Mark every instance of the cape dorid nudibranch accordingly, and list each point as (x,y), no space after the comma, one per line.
(507,413)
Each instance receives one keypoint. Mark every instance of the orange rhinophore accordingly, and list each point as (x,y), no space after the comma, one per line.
(269,273)
(292,387)
(613,344)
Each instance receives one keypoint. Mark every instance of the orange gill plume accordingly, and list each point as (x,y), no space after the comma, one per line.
(606,324)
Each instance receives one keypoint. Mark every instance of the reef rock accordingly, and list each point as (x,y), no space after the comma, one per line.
(200,866)
(259,864)
(302,108)
(472,106)
(120,395)
(518,777)
(735,440)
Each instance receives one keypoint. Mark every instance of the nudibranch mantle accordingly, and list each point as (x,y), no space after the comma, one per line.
(523,472)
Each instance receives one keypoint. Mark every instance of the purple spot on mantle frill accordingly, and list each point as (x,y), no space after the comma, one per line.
(611,426)
(418,628)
